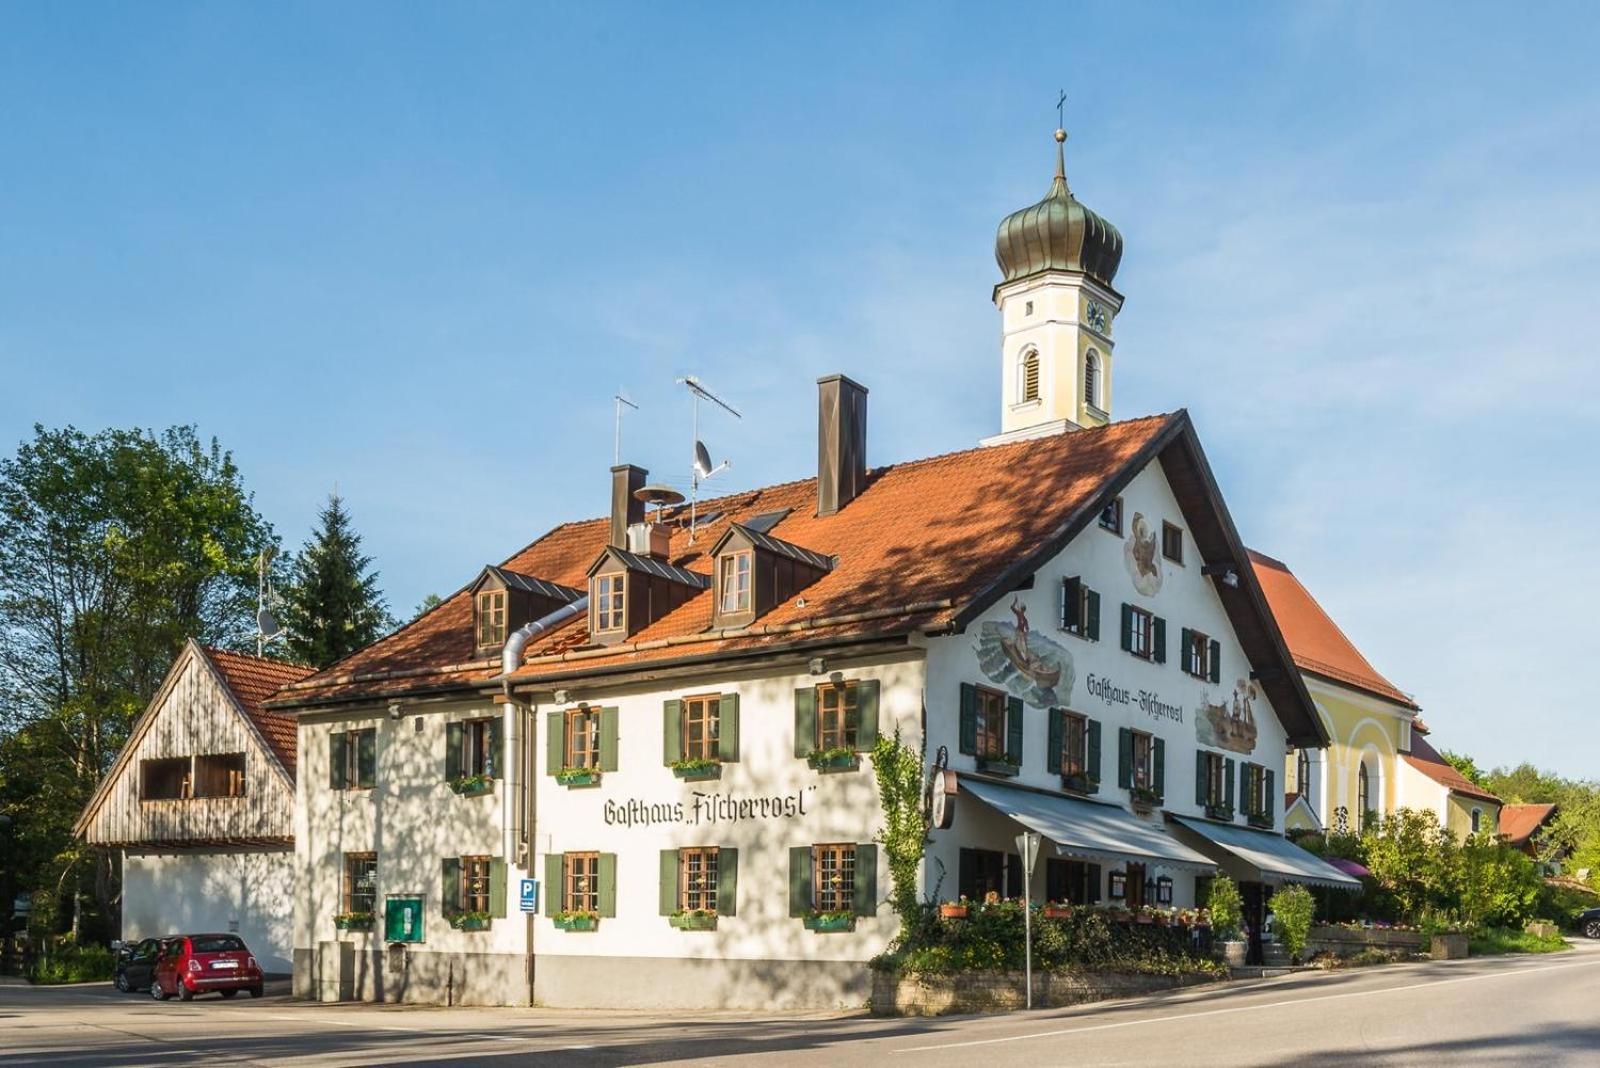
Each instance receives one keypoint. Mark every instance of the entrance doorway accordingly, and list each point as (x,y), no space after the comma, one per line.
(1255,912)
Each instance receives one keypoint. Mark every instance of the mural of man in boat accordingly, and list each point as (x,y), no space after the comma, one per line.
(1139,552)
(1229,726)
(1028,665)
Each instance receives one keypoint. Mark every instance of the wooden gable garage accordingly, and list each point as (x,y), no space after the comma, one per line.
(200,806)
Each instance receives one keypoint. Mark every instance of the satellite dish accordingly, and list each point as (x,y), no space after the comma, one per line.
(658,495)
(702,459)
(266,625)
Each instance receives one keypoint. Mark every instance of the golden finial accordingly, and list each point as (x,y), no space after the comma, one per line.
(1061,136)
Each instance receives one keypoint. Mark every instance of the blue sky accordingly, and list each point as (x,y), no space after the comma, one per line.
(411,250)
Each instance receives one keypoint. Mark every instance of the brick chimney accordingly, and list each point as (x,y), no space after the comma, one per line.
(841,442)
(626,510)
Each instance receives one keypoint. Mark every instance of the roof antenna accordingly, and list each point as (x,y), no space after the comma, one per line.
(266,623)
(700,468)
(616,449)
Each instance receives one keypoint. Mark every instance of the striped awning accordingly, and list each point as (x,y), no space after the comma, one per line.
(1274,857)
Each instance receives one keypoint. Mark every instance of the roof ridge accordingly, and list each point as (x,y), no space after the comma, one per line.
(215,650)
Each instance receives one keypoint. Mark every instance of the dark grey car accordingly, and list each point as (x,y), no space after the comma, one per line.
(1589,923)
(136,964)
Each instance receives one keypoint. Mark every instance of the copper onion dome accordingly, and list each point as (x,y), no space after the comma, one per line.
(1057,234)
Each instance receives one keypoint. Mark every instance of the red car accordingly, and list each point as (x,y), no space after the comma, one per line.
(198,964)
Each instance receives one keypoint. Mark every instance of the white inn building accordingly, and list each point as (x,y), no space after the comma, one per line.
(626,767)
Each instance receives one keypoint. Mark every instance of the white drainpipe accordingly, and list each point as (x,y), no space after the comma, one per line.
(517,771)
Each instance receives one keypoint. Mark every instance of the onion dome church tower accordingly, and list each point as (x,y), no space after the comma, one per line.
(1057,262)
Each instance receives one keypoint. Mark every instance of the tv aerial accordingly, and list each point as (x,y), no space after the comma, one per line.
(701,468)
(621,399)
(267,628)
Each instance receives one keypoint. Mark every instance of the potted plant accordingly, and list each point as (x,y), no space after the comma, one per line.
(693,920)
(998,766)
(1145,915)
(1080,783)
(470,785)
(1220,812)
(573,776)
(1227,918)
(827,922)
(958,909)
(353,921)
(1055,910)
(694,769)
(470,921)
(1259,819)
(838,758)
(576,919)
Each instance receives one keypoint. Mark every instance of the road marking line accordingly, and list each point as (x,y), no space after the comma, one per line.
(1246,1008)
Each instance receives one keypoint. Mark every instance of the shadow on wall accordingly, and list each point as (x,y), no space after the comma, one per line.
(248,892)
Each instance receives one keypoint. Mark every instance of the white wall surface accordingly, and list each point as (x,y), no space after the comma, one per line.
(248,893)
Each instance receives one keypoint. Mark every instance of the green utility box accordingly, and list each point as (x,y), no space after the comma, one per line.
(402,919)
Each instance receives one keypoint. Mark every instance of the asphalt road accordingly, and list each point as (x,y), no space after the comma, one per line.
(1502,1011)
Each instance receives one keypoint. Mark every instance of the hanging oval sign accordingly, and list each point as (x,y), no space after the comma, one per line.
(941,799)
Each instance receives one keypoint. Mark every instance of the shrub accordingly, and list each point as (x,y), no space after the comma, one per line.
(73,964)
(1491,940)
(1499,886)
(1294,908)
(1226,907)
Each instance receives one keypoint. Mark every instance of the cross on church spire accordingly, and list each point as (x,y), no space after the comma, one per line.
(1061,136)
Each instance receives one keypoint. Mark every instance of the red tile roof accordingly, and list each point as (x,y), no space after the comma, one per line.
(252,679)
(1519,822)
(1315,640)
(1426,759)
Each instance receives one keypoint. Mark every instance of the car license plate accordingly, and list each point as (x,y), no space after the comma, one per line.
(225,964)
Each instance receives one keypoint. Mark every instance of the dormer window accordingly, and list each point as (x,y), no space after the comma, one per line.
(491,618)
(733,582)
(610,599)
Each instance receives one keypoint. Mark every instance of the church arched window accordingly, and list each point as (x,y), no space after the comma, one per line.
(1363,797)
(1028,377)
(1091,379)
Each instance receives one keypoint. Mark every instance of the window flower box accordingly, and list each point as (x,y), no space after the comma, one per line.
(955,910)
(576,921)
(697,770)
(1056,912)
(1080,784)
(696,920)
(1145,797)
(470,921)
(998,766)
(353,921)
(830,922)
(578,776)
(839,759)
(1220,812)
(1259,819)
(472,785)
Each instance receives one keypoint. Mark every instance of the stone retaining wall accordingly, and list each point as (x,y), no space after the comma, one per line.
(1348,941)
(894,994)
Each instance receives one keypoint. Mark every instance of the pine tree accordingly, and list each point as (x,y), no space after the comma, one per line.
(332,606)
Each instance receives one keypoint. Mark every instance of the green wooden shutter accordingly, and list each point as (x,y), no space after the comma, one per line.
(367,758)
(450,898)
(1014,730)
(866,880)
(671,730)
(727,882)
(1092,608)
(1158,648)
(1186,650)
(553,890)
(1270,808)
(606,872)
(608,739)
(336,760)
(799,880)
(1160,760)
(453,733)
(555,749)
(1071,603)
(1227,794)
(496,747)
(1052,753)
(497,887)
(728,728)
(1092,747)
(1201,766)
(1096,881)
(805,720)
(1127,627)
(669,881)
(1216,661)
(968,742)
(866,714)
(1124,758)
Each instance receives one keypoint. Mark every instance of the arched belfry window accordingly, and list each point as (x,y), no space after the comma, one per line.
(1091,378)
(1028,377)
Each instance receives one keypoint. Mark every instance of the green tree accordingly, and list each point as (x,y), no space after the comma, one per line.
(114,548)
(429,603)
(1467,767)
(332,605)
(1498,885)
(1226,908)
(1412,856)
(1293,907)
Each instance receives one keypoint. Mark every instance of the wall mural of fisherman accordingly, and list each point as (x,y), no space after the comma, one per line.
(1139,552)
(1226,726)
(1028,665)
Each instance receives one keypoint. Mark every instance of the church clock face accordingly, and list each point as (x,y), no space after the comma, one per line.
(1096,316)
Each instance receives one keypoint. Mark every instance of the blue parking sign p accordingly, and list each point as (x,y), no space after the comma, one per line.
(530,895)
